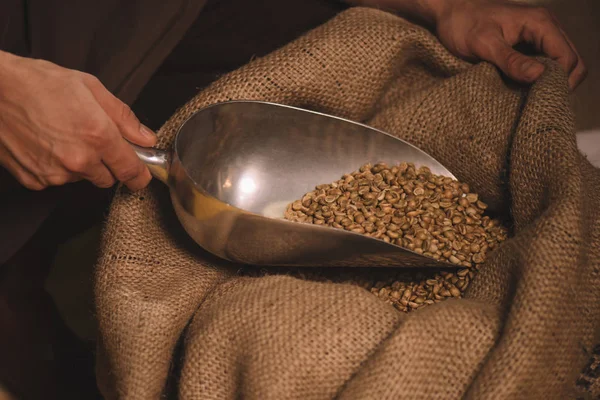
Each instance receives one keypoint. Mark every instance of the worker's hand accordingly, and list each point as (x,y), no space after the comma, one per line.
(59,125)
(488,30)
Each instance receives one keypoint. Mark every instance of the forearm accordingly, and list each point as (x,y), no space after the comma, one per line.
(5,58)
(7,67)
(426,10)
(7,61)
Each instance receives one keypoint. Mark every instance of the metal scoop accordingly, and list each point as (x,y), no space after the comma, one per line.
(235,166)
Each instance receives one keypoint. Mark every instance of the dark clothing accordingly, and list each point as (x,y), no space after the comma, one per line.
(120,42)
(152,54)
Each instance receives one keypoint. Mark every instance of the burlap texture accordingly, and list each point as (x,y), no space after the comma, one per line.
(529,320)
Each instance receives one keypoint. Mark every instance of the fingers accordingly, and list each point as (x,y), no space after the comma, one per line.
(578,74)
(120,158)
(122,115)
(117,155)
(541,29)
(105,157)
(536,26)
(21,174)
(548,38)
(100,176)
(53,175)
(25,178)
(493,48)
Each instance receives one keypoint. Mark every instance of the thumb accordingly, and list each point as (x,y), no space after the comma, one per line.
(123,117)
(515,65)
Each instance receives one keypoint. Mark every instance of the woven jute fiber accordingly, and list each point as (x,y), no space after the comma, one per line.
(171,315)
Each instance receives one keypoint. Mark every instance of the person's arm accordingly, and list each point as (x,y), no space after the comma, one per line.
(59,125)
(488,30)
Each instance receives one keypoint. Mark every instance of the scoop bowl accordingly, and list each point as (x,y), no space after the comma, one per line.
(235,166)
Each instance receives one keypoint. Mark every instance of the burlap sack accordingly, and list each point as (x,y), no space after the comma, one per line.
(529,320)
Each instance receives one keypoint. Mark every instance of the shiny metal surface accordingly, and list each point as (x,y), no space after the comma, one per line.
(157,161)
(236,165)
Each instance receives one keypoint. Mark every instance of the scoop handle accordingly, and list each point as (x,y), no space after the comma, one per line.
(157,161)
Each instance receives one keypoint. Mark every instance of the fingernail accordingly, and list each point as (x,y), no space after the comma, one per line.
(531,69)
(147,132)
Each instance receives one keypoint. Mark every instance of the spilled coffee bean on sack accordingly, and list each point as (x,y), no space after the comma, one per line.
(432,215)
